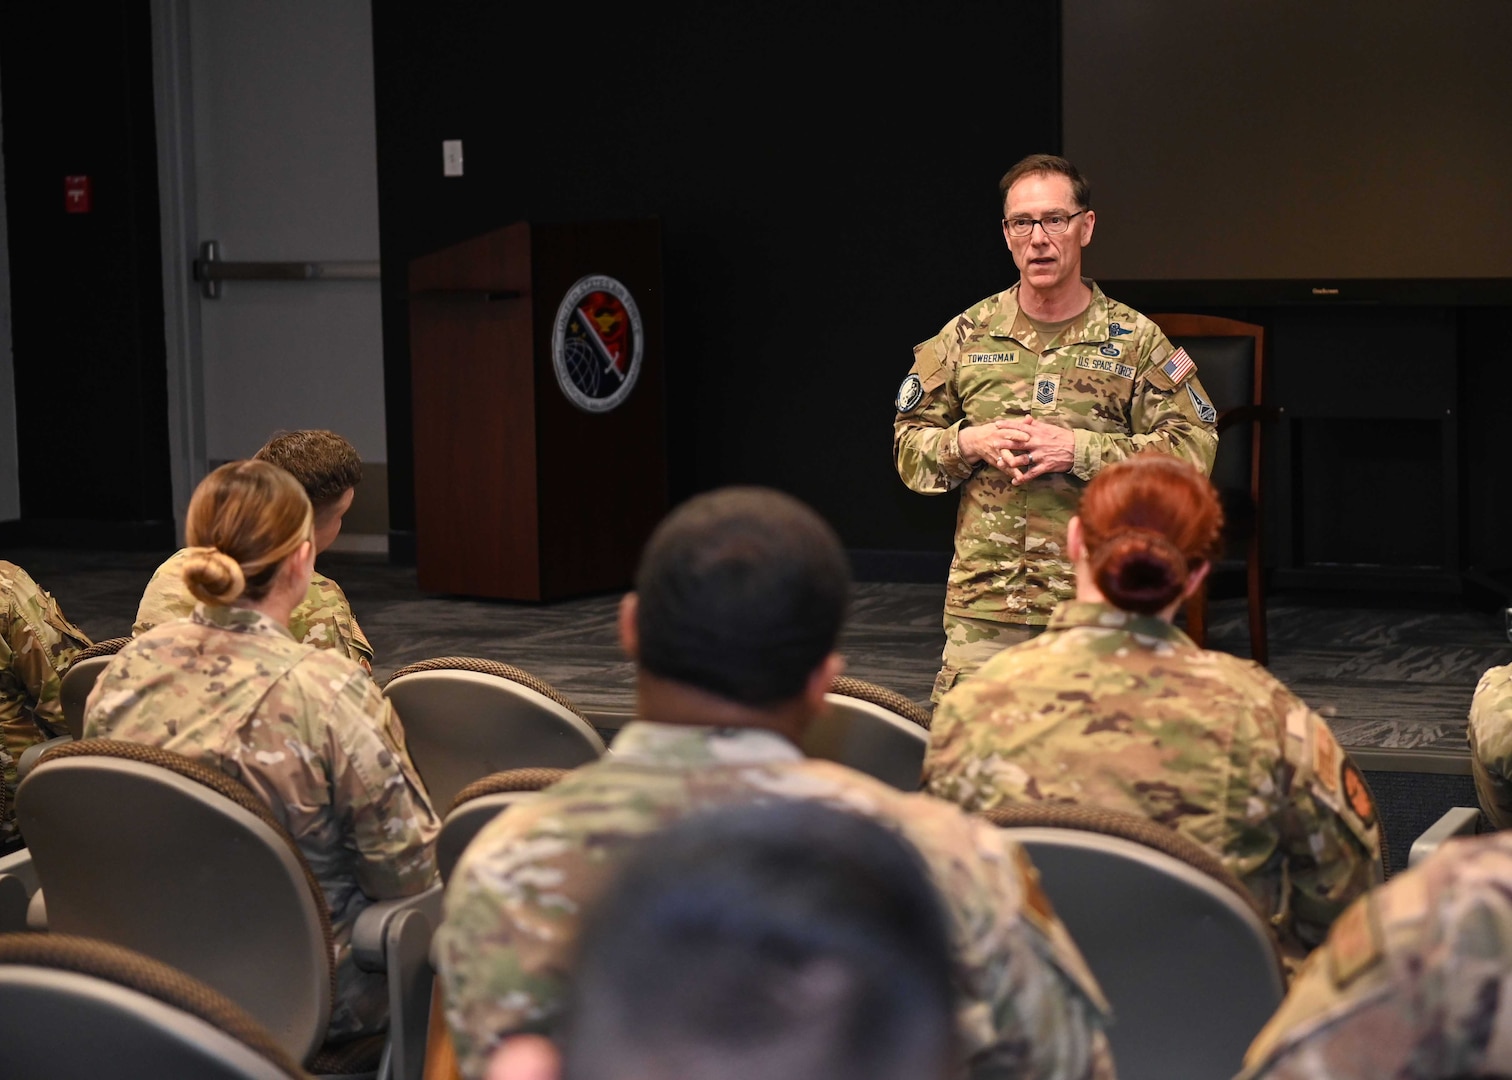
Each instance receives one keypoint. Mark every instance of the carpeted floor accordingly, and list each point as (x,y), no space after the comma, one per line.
(1396,674)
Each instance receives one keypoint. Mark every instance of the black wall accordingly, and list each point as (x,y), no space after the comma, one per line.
(826,182)
(86,289)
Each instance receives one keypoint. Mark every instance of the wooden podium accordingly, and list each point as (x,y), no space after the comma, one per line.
(539,411)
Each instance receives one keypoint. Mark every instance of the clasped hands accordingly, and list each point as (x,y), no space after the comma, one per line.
(1022,447)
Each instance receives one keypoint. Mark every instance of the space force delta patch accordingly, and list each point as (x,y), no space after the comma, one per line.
(1205,412)
(910,394)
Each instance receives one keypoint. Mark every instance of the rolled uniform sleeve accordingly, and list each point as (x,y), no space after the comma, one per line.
(1174,417)
(927,430)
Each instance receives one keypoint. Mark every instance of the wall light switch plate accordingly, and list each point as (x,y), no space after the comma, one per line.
(451,157)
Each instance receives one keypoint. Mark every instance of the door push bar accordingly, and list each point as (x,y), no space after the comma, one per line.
(210,270)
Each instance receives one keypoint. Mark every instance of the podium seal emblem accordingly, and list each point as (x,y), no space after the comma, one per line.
(596,343)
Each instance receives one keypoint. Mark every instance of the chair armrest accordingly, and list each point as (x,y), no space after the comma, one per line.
(32,754)
(370,931)
(1457,821)
(394,936)
(18,883)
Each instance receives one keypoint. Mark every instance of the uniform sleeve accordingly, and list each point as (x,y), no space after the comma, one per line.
(1173,417)
(1030,1007)
(1490,733)
(1326,826)
(926,432)
(42,645)
(376,789)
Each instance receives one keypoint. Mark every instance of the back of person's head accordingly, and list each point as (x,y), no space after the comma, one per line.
(322,461)
(741,592)
(1051,165)
(1148,523)
(786,942)
(244,520)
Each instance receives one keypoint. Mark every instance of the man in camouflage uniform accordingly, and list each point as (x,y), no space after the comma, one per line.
(309,732)
(330,470)
(1490,734)
(741,594)
(36,649)
(1123,712)
(1020,400)
(1412,983)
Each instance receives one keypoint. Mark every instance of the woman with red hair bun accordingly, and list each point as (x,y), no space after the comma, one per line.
(1114,707)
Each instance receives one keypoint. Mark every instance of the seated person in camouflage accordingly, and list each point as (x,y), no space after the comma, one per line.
(305,729)
(37,646)
(1490,733)
(1116,708)
(329,468)
(740,597)
(786,942)
(1413,982)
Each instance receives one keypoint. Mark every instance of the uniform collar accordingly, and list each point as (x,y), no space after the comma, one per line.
(1074,614)
(238,620)
(644,743)
(1090,326)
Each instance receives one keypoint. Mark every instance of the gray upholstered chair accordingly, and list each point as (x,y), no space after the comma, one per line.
(1176,941)
(75,1009)
(146,849)
(479,803)
(466,718)
(873,730)
(80,678)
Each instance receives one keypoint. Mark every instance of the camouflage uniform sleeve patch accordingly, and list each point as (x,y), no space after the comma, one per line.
(1356,943)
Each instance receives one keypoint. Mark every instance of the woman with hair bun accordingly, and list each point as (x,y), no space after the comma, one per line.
(305,729)
(1114,707)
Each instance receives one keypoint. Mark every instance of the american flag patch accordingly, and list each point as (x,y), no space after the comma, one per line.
(1179,366)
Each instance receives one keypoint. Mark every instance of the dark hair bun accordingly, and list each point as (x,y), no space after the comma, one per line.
(1139,571)
(213,576)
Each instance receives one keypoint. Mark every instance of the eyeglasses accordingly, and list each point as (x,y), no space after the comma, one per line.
(1053,224)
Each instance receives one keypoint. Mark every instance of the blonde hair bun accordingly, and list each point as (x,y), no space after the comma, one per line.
(213,576)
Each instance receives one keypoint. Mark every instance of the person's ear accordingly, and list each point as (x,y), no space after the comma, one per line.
(823,677)
(1076,541)
(629,632)
(525,1057)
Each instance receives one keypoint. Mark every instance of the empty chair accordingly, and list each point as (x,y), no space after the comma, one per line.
(466,718)
(871,729)
(73,1008)
(479,803)
(1174,938)
(80,678)
(149,850)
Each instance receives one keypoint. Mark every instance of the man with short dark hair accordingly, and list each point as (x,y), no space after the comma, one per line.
(785,942)
(739,601)
(329,469)
(1020,400)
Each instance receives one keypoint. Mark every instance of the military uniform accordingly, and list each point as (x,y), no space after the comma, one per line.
(1413,982)
(37,646)
(1029,1006)
(323,618)
(1124,712)
(311,735)
(1490,734)
(1110,376)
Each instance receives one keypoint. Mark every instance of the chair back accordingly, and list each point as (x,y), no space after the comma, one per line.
(146,849)
(80,678)
(482,801)
(75,1008)
(466,718)
(873,730)
(1190,968)
(1230,359)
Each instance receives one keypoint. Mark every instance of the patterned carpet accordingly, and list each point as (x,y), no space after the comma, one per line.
(1395,674)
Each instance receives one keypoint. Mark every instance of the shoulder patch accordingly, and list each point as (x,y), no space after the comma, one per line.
(910,394)
(1178,367)
(1205,411)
